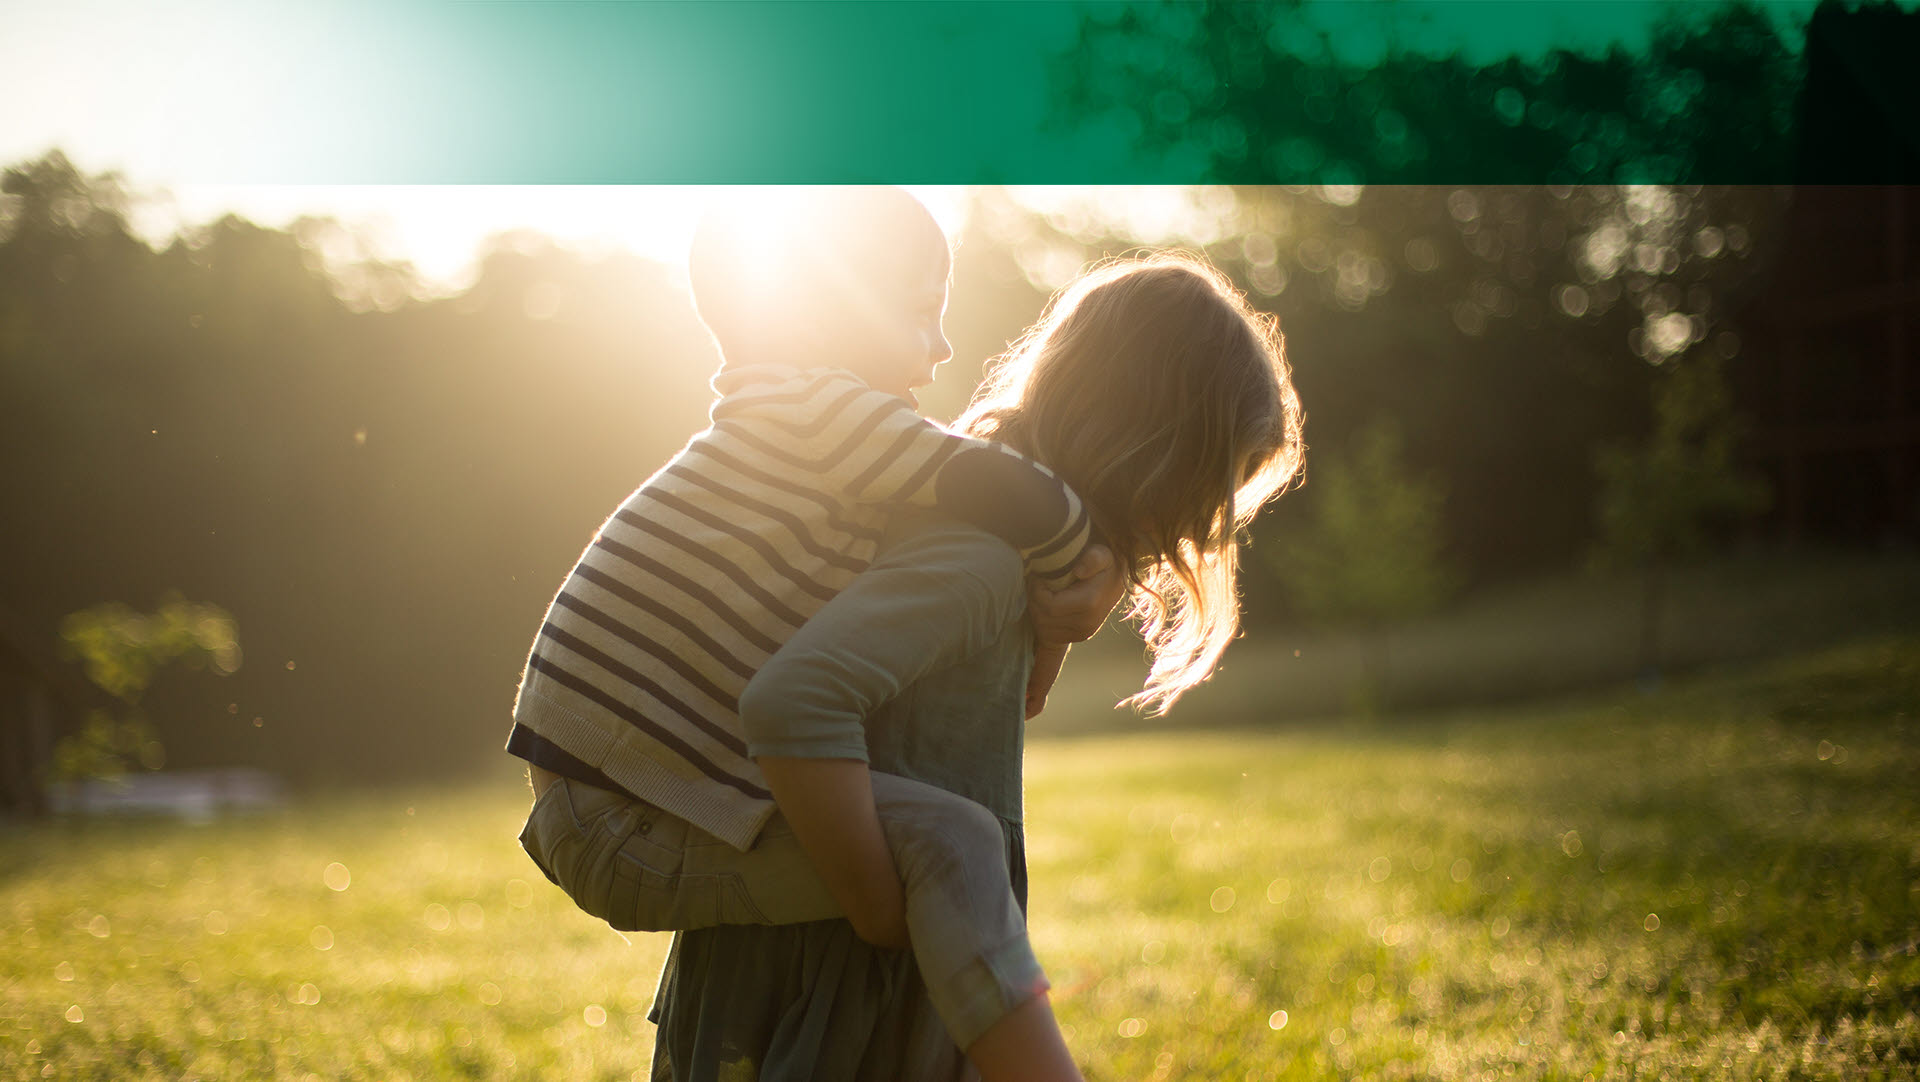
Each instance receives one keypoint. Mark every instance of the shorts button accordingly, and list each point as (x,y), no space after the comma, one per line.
(646,825)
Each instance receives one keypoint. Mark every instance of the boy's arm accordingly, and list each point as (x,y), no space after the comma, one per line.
(1018,500)
(873,448)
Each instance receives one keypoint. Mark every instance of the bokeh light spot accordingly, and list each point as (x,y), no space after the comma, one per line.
(519,893)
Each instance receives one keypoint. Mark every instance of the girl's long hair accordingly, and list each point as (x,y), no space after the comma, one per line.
(1155,390)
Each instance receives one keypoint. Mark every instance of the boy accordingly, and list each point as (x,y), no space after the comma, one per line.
(700,574)
(827,317)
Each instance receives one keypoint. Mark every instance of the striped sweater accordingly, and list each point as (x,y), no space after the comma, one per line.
(709,566)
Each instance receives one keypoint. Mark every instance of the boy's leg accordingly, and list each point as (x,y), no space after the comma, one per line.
(965,927)
(643,869)
(967,930)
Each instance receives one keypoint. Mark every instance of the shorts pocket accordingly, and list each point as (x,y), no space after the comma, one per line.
(735,903)
(644,900)
(648,888)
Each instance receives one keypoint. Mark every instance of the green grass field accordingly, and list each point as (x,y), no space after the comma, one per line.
(1718,881)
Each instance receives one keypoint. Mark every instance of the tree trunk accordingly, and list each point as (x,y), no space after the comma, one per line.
(1376,665)
(1652,601)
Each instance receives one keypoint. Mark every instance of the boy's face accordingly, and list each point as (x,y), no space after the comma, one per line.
(908,342)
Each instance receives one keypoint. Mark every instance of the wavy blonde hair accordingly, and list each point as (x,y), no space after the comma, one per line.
(1155,390)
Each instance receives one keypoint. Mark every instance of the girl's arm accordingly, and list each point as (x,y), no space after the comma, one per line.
(929,603)
(1047,661)
(829,804)
(1067,615)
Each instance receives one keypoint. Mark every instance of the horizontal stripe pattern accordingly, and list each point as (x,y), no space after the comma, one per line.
(701,574)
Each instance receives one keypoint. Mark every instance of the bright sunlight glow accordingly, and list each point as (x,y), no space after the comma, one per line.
(441,229)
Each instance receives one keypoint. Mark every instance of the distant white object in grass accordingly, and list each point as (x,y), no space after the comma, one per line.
(194,795)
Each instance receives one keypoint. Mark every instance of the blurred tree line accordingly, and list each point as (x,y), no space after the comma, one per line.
(384,491)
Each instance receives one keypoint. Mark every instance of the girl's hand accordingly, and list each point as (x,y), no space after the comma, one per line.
(1046,667)
(1074,612)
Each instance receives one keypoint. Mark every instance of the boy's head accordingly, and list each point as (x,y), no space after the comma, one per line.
(825,277)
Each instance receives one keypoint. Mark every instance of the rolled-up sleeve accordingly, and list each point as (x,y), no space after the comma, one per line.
(931,601)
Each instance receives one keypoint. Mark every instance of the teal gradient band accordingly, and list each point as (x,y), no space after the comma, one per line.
(979,91)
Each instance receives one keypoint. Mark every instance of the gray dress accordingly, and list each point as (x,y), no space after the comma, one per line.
(812,1001)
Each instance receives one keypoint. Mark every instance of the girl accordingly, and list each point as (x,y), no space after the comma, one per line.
(1159,395)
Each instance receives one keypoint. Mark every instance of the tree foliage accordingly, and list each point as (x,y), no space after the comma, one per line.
(122,650)
(1659,496)
(1371,554)
(1259,92)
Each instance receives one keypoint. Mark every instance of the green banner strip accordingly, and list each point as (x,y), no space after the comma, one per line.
(976,91)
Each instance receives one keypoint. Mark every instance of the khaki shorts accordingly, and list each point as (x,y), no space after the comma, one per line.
(640,868)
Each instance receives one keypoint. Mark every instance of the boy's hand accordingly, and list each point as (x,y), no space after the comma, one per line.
(1074,612)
